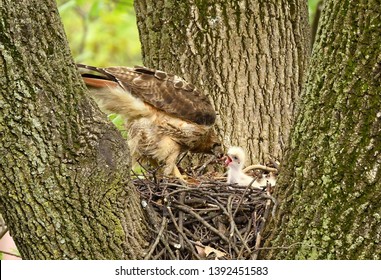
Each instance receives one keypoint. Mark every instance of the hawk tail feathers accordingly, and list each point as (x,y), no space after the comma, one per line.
(117,100)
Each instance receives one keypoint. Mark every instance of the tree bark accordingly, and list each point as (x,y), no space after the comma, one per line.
(65,189)
(330,187)
(248,56)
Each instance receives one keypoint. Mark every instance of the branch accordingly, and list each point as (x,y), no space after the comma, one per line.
(260,167)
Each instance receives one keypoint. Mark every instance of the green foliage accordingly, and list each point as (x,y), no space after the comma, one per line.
(312,5)
(118,121)
(101,32)
(104,32)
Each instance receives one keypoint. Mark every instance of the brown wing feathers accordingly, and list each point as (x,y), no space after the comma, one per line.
(166,92)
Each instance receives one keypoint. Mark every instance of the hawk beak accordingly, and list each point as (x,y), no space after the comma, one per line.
(228,160)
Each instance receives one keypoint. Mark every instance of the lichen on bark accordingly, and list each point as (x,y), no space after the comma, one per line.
(330,184)
(64,169)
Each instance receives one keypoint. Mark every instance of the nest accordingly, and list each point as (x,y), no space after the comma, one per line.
(206,218)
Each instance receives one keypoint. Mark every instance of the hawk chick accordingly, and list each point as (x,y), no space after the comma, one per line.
(235,162)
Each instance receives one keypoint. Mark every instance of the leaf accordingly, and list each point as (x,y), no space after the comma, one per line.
(210,250)
(205,251)
(200,250)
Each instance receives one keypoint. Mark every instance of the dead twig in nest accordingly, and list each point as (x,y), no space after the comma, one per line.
(204,219)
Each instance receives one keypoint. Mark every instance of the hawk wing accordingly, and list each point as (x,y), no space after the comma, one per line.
(166,92)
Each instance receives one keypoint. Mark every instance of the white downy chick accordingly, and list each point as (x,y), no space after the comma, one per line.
(235,162)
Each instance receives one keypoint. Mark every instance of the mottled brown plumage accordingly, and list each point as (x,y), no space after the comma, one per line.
(164,114)
(165,92)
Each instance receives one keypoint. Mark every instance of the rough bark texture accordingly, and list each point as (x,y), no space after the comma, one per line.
(64,170)
(249,56)
(330,186)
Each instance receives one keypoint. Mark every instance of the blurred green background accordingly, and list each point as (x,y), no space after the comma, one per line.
(101,32)
(104,32)
(312,5)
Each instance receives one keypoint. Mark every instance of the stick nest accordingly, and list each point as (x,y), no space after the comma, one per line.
(206,218)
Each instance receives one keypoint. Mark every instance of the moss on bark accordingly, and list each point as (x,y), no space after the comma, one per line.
(330,186)
(64,169)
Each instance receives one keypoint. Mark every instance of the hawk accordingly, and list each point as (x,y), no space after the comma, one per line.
(164,114)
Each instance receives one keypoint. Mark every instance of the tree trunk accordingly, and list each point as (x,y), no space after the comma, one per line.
(248,56)
(330,187)
(65,190)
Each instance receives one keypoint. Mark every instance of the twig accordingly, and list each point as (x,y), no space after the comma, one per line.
(260,167)
(245,238)
(192,210)
(274,201)
(200,219)
(230,215)
(262,225)
(241,199)
(152,217)
(157,257)
(182,234)
(181,190)
(181,158)
(235,228)
(181,220)
(202,168)
(157,240)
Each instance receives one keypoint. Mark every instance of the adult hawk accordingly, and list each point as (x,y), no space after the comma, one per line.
(164,114)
